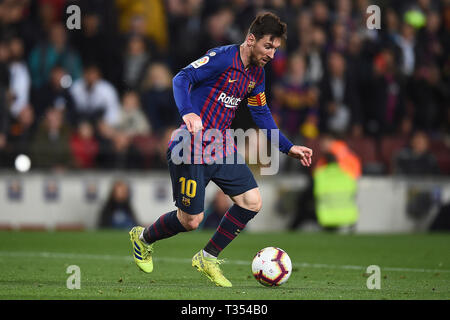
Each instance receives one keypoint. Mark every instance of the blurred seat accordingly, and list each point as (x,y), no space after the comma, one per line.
(442,153)
(146,145)
(389,146)
(365,149)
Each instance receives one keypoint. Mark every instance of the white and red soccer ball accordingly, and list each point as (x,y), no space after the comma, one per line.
(271,266)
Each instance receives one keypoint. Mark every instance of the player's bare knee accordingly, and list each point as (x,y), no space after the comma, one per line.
(194,223)
(254,201)
(255,204)
(250,200)
(190,222)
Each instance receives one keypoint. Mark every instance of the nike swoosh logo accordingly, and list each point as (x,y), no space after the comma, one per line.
(231,81)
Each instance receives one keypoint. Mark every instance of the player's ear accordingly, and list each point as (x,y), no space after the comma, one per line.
(251,40)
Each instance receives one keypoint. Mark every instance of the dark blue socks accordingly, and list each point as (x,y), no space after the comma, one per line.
(166,226)
(233,222)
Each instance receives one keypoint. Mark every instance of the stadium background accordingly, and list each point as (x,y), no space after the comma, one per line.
(384,92)
(372,89)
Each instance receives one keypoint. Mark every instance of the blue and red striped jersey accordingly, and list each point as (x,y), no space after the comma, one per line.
(213,87)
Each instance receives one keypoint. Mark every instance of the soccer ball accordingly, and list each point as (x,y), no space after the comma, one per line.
(271,266)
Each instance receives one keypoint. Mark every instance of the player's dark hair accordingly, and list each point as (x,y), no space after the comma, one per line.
(268,23)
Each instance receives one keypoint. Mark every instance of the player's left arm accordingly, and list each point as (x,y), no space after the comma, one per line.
(263,118)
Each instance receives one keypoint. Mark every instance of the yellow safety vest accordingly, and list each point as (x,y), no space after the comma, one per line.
(335,195)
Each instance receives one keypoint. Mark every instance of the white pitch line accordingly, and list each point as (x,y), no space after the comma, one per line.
(60,255)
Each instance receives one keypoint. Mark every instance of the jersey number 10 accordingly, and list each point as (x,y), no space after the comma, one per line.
(188,187)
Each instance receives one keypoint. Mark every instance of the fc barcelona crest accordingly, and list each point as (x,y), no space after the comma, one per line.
(251,86)
(186,201)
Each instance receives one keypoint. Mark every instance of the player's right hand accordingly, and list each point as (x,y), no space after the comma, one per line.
(193,122)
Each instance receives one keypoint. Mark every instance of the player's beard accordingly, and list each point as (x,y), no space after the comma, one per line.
(255,61)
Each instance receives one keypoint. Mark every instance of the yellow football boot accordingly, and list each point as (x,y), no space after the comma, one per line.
(210,268)
(142,252)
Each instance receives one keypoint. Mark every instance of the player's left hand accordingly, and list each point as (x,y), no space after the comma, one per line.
(304,154)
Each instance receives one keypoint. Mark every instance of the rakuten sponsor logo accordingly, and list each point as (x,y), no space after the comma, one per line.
(229,101)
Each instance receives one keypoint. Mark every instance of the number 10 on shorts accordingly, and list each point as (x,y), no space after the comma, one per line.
(188,187)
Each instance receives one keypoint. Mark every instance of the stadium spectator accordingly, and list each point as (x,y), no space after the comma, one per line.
(118,212)
(20,81)
(84,146)
(120,153)
(157,98)
(416,159)
(20,134)
(244,11)
(92,41)
(136,61)
(302,31)
(219,30)
(4,104)
(321,15)
(22,116)
(132,120)
(344,13)
(16,19)
(50,147)
(340,105)
(315,55)
(385,101)
(49,12)
(100,36)
(293,97)
(4,119)
(56,50)
(55,94)
(146,18)
(338,38)
(430,42)
(390,33)
(356,63)
(407,43)
(97,100)
(427,97)
(185,24)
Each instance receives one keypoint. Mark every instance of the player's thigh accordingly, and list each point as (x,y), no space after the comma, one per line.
(250,200)
(188,187)
(237,181)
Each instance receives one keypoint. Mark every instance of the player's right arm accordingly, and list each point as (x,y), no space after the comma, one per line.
(208,66)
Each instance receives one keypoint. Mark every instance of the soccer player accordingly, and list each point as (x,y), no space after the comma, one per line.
(207,93)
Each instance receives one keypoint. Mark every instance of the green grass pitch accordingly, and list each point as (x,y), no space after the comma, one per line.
(326,266)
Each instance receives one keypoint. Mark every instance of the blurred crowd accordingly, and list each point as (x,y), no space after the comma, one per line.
(101,97)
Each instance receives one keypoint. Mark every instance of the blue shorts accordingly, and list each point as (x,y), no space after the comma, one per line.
(189,182)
